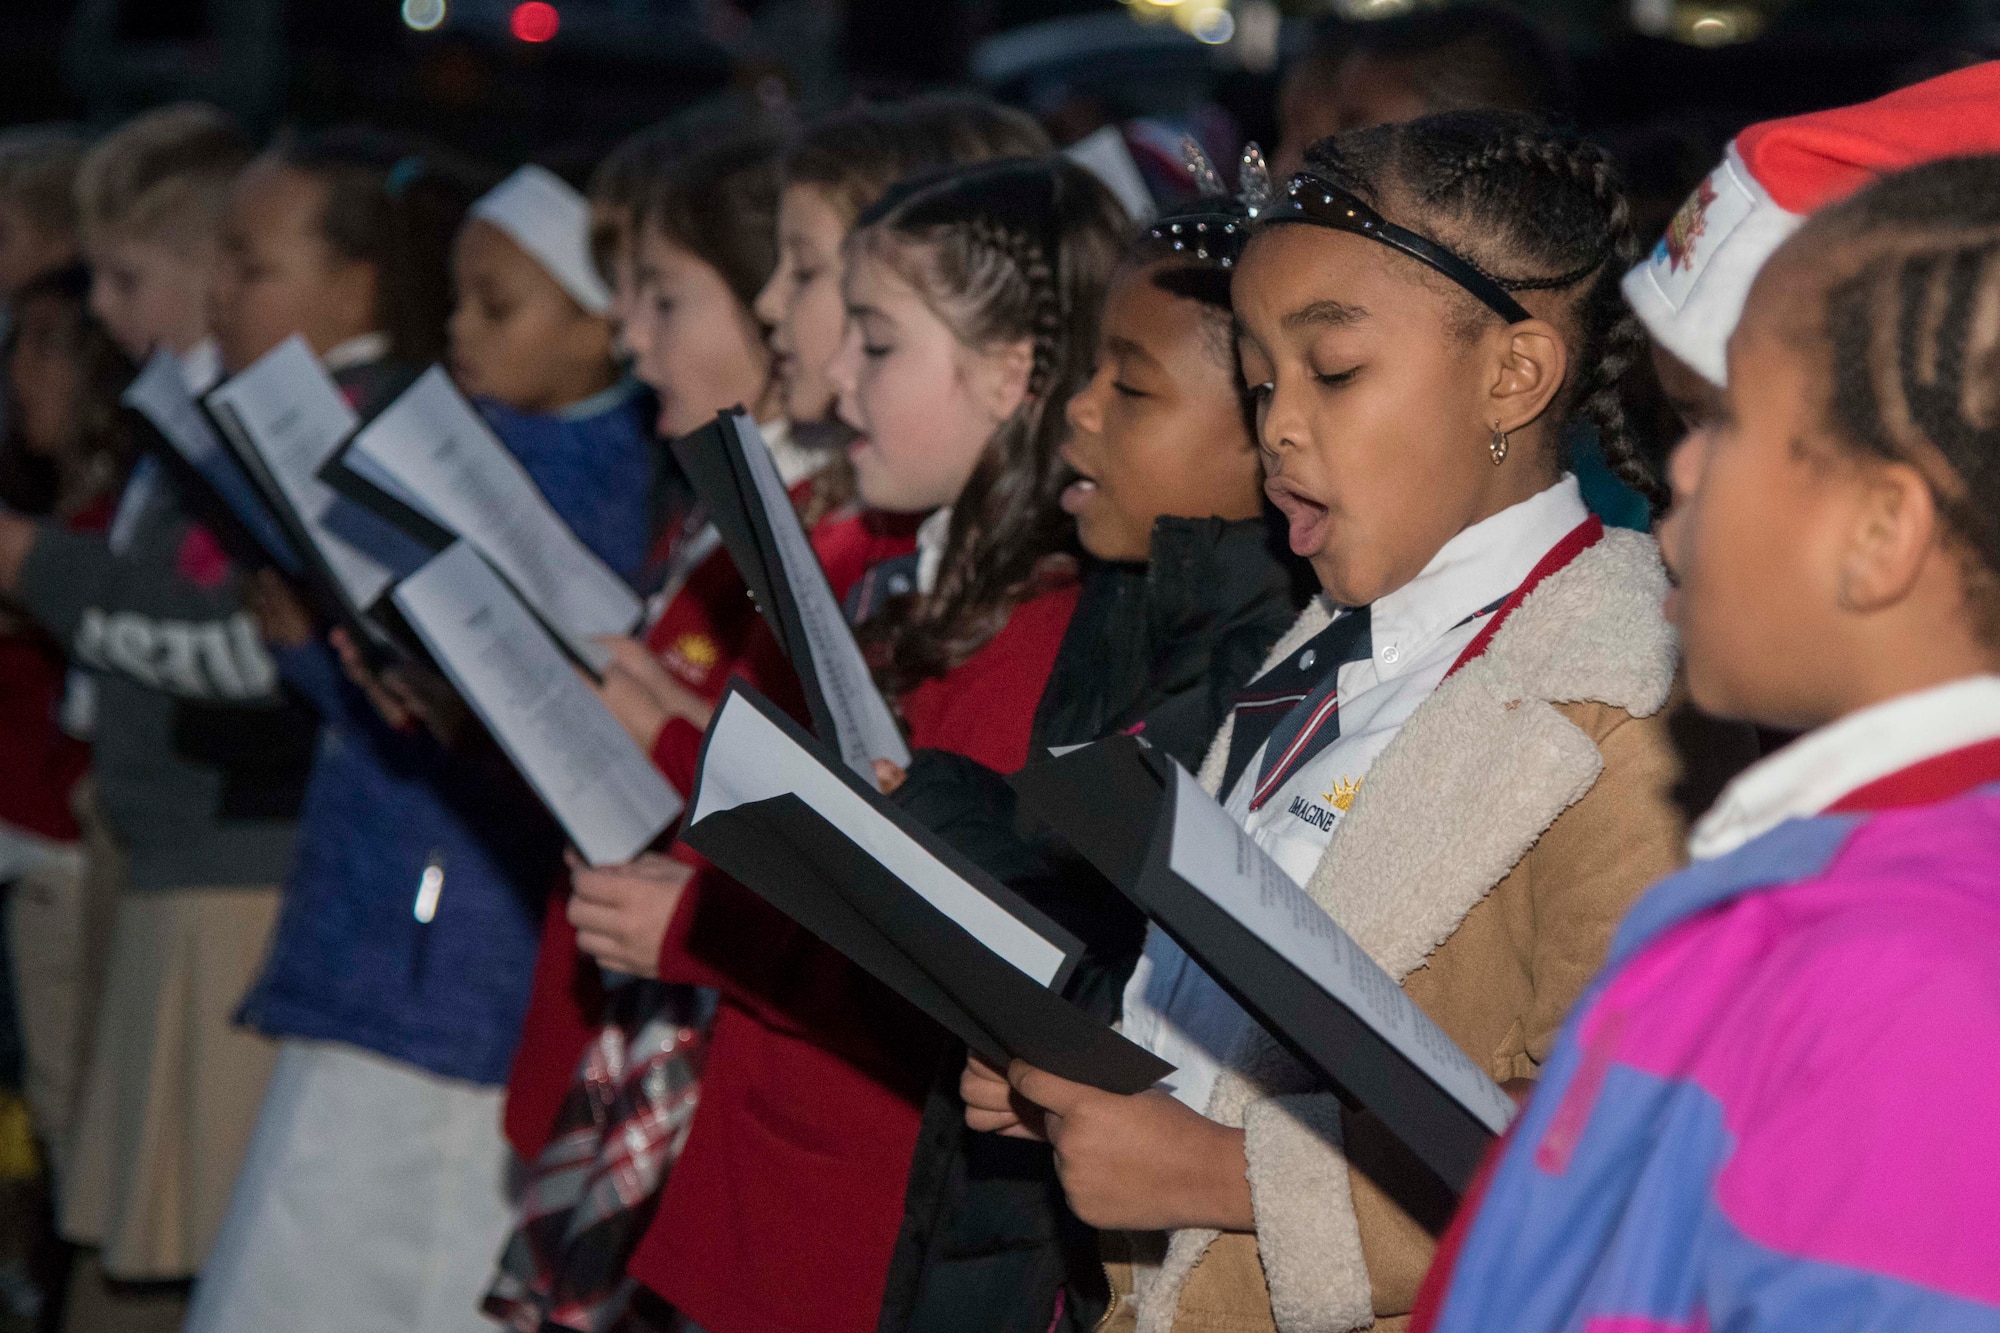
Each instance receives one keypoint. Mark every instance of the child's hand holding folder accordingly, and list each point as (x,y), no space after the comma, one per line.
(643,695)
(621,913)
(1132,1163)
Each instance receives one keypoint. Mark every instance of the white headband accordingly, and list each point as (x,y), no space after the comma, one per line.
(551,221)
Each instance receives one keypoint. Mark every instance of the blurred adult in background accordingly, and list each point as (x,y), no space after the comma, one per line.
(1463,58)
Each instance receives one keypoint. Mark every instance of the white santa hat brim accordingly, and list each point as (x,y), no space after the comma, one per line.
(1690,291)
(549,220)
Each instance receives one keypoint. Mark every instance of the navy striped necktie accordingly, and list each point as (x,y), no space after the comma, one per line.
(1293,710)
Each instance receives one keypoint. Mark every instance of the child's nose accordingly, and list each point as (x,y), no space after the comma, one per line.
(1086,410)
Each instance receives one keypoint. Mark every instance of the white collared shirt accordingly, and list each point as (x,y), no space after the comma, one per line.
(1817,769)
(201,367)
(1172,1008)
(359,350)
(793,460)
(932,534)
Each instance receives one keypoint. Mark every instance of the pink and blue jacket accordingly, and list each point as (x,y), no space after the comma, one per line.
(1779,1106)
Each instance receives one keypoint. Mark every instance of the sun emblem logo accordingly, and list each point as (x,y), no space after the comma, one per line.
(698,649)
(1343,793)
(1688,225)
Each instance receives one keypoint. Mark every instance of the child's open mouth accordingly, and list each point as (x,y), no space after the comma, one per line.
(1306,516)
(1078,494)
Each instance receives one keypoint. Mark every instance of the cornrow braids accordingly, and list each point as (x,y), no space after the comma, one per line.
(1912,330)
(1003,251)
(1535,208)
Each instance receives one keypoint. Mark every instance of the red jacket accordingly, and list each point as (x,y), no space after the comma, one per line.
(39,761)
(707,633)
(782,1211)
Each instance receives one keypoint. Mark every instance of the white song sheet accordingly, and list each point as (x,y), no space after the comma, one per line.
(434,443)
(867,730)
(604,792)
(160,394)
(1213,854)
(290,414)
(749,758)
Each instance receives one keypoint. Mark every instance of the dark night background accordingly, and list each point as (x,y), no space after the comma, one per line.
(616,64)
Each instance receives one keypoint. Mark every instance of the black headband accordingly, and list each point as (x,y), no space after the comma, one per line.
(1212,237)
(1308,198)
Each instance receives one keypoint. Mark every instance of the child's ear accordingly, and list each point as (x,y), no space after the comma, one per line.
(1000,378)
(1532,360)
(1895,528)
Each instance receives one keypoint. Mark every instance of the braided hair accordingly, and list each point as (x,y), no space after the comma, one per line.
(1537,209)
(1913,343)
(1002,251)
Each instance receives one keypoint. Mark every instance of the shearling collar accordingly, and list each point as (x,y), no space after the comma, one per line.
(1411,859)
(1470,783)
(1406,864)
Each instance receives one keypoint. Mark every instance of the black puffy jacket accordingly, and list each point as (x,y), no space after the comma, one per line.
(987,1243)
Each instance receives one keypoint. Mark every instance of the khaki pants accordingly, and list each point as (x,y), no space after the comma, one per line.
(59,926)
(174,1086)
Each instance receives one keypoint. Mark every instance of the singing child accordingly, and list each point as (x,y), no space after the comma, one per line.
(1187,587)
(703,631)
(38,214)
(377,1189)
(654,173)
(1770,1111)
(1462,751)
(973,298)
(65,454)
(531,341)
(832,170)
(1465,57)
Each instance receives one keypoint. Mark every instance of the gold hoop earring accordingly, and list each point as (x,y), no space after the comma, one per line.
(1498,444)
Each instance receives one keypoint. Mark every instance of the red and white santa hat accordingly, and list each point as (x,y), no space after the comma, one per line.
(1690,291)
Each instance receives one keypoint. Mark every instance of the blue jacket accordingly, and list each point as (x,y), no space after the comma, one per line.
(1774,1111)
(349,961)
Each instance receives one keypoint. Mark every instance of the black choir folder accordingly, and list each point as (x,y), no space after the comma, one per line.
(1148,827)
(775,810)
(731,469)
